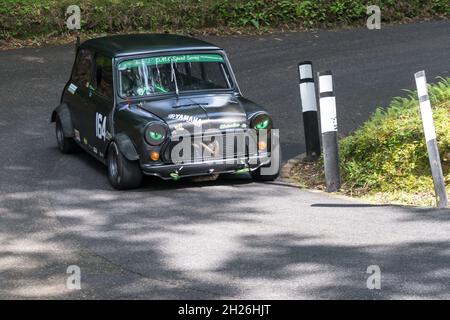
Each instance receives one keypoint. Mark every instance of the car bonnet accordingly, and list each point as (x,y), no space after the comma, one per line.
(199,113)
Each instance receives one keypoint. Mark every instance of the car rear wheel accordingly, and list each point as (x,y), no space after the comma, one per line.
(65,145)
(123,174)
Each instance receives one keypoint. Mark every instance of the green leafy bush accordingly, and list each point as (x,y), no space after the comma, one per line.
(31,18)
(388,153)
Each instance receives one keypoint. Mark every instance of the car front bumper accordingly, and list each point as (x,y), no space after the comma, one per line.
(175,171)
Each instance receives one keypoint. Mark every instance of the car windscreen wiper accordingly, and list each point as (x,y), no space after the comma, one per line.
(173,78)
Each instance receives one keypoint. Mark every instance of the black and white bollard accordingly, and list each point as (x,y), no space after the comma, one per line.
(309,108)
(430,137)
(328,124)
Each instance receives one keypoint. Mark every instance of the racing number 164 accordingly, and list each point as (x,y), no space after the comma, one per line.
(100,126)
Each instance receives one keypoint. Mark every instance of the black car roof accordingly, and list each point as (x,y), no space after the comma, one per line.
(120,45)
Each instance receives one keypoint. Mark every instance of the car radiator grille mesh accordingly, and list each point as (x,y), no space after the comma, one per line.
(224,146)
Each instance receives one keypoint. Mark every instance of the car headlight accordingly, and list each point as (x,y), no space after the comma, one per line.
(155,133)
(261,121)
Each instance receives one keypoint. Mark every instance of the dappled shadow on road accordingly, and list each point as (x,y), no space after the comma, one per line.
(35,254)
(226,239)
(410,270)
(36,249)
(427,215)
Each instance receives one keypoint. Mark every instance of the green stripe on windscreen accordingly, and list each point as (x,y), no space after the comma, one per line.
(153,61)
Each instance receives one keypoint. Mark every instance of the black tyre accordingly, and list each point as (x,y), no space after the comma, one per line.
(65,144)
(123,174)
(256,175)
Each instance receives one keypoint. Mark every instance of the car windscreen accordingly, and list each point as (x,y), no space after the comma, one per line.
(173,74)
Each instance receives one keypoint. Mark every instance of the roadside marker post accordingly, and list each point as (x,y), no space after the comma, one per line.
(430,138)
(309,109)
(328,124)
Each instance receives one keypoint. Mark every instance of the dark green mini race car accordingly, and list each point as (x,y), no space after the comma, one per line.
(162,105)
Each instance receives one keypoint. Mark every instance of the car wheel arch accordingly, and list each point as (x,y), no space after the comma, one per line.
(63,112)
(125,146)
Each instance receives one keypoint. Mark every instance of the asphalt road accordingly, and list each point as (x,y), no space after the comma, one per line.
(232,238)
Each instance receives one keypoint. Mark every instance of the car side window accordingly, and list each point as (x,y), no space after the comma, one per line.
(103,81)
(83,67)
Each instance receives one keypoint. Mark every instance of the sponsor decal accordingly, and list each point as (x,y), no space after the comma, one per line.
(72,88)
(185,58)
(85,141)
(76,133)
(108,135)
(178,126)
(229,125)
(100,126)
(185,118)
(95,150)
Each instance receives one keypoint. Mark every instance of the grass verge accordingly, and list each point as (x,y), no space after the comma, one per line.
(34,21)
(386,159)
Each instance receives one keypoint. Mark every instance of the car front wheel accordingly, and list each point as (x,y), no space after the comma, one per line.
(122,173)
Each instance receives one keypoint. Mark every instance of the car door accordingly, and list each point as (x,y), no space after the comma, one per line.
(79,95)
(102,98)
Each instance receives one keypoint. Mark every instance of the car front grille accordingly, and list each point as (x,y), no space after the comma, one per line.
(229,145)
